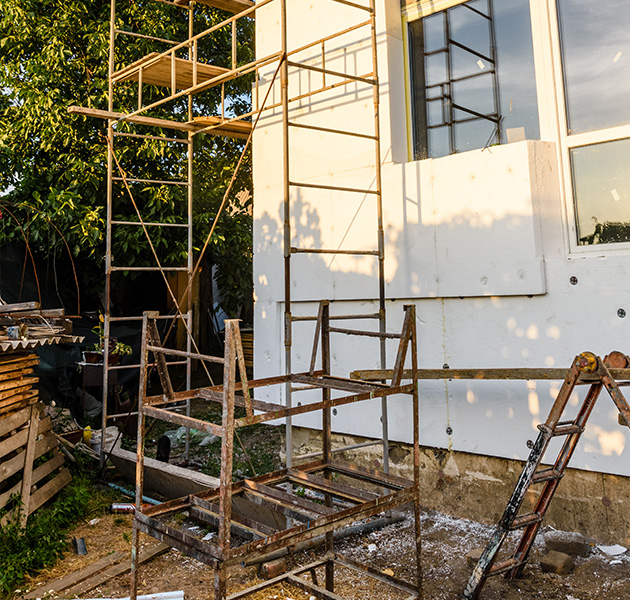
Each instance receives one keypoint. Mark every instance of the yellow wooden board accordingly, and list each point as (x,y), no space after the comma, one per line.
(157,71)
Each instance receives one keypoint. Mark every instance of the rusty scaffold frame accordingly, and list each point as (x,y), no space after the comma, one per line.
(264,513)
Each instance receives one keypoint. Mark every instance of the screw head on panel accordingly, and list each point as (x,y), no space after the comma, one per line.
(621,313)
(573,280)
(449,430)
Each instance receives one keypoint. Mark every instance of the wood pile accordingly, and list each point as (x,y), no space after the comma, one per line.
(31,466)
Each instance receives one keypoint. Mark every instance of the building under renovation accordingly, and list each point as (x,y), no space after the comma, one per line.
(439,187)
(504,216)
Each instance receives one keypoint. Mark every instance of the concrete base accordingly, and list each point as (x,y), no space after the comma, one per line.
(477,487)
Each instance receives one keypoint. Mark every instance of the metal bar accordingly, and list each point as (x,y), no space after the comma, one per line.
(150,224)
(318,330)
(377,477)
(336,383)
(136,366)
(331,487)
(337,317)
(295,250)
(162,269)
(183,420)
(355,5)
(378,334)
(157,138)
(173,352)
(329,130)
(156,181)
(342,449)
(139,318)
(376,574)
(336,188)
(357,78)
(298,410)
(146,37)
(481,373)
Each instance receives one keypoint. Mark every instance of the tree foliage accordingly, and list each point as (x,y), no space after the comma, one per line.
(53,165)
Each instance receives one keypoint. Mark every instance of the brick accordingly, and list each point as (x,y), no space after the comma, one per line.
(472,558)
(556,562)
(573,544)
(273,568)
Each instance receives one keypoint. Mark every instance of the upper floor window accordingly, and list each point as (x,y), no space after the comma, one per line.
(595,49)
(472,77)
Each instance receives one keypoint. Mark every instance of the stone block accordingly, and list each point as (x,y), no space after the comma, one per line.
(472,558)
(573,544)
(556,562)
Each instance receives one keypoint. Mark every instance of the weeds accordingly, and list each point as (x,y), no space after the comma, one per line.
(27,550)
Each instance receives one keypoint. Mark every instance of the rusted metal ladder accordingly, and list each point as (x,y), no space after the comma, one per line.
(586,369)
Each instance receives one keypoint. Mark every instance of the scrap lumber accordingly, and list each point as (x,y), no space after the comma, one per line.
(146,554)
(31,466)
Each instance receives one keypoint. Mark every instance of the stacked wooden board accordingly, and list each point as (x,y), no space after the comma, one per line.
(31,468)
(17,381)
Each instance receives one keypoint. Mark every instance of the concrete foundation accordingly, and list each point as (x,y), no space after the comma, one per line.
(477,487)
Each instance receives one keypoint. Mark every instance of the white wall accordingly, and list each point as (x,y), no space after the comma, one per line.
(476,241)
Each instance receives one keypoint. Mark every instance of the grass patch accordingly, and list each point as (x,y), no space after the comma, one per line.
(26,551)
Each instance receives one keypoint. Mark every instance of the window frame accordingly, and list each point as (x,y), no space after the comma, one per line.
(550,90)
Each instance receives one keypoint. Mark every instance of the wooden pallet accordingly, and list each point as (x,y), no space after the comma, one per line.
(31,466)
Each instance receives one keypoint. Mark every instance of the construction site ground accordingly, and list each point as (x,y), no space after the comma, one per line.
(446,541)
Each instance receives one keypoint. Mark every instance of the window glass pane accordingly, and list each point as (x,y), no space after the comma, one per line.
(601,190)
(439,144)
(435,113)
(596,61)
(515,56)
(470,29)
(466,63)
(474,135)
(436,68)
(434,34)
(475,94)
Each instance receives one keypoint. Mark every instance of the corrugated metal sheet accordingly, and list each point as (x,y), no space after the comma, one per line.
(32,343)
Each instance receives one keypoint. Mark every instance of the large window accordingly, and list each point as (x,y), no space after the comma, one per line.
(472,77)
(595,48)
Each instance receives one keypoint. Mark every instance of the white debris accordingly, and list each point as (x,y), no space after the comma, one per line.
(372,548)
(614,550)
(207,537)
(93,521)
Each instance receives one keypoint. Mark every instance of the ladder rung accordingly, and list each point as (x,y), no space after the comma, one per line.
(337,317)
(334,188)
(526,520)
(503,566)
(568,429)
(365,333)
(546,475)
(295,250)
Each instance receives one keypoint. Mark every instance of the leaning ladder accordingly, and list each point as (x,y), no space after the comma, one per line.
(586,369)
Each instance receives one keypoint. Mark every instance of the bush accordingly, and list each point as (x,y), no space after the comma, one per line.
(44,539)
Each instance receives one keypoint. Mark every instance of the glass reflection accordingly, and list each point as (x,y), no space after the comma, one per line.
(476,60)
(601,190)
(596,62)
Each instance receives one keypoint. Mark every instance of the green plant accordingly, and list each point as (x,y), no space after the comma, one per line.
(26,550)
(114,346)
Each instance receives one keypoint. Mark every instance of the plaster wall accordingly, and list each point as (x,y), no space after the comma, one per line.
(478,241)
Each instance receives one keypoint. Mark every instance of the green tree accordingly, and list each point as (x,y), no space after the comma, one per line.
(53,54)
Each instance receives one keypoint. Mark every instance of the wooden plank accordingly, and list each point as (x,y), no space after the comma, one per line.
(27,476)
(150,121)
(47,468)
(19,374)
(9,308)
(227,130)
(14,421)
(158,71)
(13,442)
(22,381)
(146,554)
(233,6)
(6,496)
(12,466)
(72,579)
(46,444)
(236,129)
(24,401)
(16,358)
(12,366)
(48,490)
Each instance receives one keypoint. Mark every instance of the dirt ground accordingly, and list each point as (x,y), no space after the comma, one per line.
(446,541)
